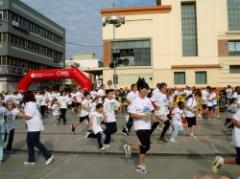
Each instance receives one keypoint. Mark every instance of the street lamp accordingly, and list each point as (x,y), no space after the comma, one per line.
(116,22)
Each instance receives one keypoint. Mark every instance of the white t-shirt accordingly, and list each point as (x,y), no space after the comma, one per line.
(131,96)
(97,119)
(3,112)
(85,112)
(35,123)
(55,110)
(141,107)
(205,94)
(177,115)
(155,91)
(191,103)
(79,97)
(187,92)
(211,99)
(229,92)
(237,96)
(232,110)
(39,99)
(101,92)
(11,118)
(109,107)
(236,132)
(162,101)
(63,101)
(94,94)
(16,99)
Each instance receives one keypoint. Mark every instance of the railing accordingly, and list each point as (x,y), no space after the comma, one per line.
(12,70)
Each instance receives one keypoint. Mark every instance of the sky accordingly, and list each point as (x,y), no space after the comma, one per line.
(81,19)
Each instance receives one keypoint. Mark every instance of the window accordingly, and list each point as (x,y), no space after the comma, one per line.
(189,29)
(233,15)
(234,68)
(234,48)
(179,78)
(1,15)
(201,77)
(134,52)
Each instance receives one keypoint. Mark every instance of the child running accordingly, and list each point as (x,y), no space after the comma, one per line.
(11,114)
(177,115)
(84,112)
(110,106)
(95,120)
(55,110)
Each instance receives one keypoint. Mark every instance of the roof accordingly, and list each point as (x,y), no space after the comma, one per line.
(136,10)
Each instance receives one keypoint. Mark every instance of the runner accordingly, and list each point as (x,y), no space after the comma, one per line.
(220,161)
(34,127)
(141,111)
(110,105)
(177,115)
(96,118)
(84,111)
(130,97)
(161,104)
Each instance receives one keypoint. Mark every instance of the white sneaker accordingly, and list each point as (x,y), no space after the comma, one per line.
(127,149)
(87,134)
(50,160)
(172,140)
(29,163)
(192,136)
(142,169)
(107,146)
(217,163)
(102,148)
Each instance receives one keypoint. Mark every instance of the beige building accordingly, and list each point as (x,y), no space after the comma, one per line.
(194,43)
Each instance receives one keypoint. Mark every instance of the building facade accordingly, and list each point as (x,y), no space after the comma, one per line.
(29,40)
(89,64)
(181,42)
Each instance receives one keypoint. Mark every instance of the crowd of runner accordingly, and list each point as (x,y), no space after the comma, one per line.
(167,109)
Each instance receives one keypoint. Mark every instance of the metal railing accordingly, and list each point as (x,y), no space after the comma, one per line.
(12,70)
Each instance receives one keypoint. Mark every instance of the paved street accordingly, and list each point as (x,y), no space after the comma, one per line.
(106,167)
(77,157)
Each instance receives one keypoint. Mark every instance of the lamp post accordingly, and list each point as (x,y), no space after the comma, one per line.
(116,22)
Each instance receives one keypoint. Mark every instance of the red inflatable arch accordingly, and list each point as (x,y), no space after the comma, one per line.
(54,74)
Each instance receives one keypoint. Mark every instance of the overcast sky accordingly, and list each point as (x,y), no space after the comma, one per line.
(81,19)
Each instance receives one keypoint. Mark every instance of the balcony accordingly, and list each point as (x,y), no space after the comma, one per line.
(12,70)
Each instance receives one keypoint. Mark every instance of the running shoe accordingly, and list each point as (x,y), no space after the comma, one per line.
(217,163)
(124,132)
(49,160)
(172,140)
(142,169)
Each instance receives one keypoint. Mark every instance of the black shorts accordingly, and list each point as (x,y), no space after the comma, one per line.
(144,136)
(192,121)
(204,106)
(238,155)
(211,108)
(81,119)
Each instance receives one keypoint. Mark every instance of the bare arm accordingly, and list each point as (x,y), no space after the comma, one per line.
(23,116)
(236,123)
